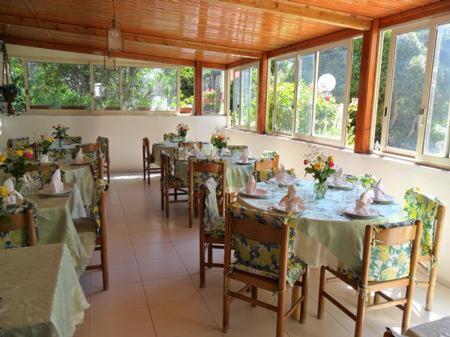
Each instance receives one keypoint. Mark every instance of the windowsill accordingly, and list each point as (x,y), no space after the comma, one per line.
(378,156)
(64,112)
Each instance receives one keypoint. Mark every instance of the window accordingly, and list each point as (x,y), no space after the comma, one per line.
(415,113)
(107,88)
(58,85)
(310,96)
(186,89)
(245,97)
(212,92)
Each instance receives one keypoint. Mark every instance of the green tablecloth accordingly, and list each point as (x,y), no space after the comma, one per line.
(54,219)
(236,175)
(324,224)
(157,148)
(41,294)
(81,176)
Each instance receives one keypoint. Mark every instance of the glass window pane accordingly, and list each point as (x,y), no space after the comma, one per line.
(106,88)
(245,97)
(17,77)
(186,89)
(213,84)
(437,130)
(58,85)
(408,78)
(153,89)
(330,93)
(254,98)
(235,117)
(305,94)
(284,96)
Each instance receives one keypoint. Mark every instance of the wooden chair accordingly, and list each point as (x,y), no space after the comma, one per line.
(265,168)
(212,233)
(199,171)
(249,231)
(20,222)
(103,142)
(170,182)
(190,145)
(45,171)
(148,160)
(237,149)
(437,328)
(96,227)
(17,142)
(93,152)
(431,213)
(390,255)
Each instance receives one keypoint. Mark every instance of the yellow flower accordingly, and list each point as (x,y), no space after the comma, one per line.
(3,157)
(50,139)
(19,153)
(3,191)
(317,166)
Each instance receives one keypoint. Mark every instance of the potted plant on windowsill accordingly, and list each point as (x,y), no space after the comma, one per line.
(8,90)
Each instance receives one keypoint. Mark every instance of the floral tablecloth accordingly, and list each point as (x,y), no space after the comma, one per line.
(324,235)
(41,294)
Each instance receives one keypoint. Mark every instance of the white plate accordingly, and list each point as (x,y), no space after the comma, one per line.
(258,194)
(388,201)
(350,212)
(48,192)
(347,187)
(282,209)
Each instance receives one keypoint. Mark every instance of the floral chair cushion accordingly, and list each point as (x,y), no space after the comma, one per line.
(260,255)
(236,149)
(200,178)
(420,206)
(19,237)
(100,186)
(265,175)
(296,268)
(214,224)
(269,154)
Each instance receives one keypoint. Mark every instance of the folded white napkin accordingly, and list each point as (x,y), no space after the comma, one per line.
(363,202)
(13,195)
(281,174)
(44,159)
(80,155)
(291,201)
(244,156)
(379,193)
(56,182)
(185,153)
(251,184)
(338,178)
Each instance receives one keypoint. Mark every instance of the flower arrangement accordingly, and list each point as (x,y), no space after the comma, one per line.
(321,167)
(60,132)
(218,140)
(14,161)
(44,144)
(182,130)
(209,96)
(368,181)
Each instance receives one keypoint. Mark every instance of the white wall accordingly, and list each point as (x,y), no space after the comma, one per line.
(124,132)
(398,175)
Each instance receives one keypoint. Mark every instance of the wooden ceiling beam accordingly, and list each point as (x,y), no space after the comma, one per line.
(238,63)
(128,36)
(306,12)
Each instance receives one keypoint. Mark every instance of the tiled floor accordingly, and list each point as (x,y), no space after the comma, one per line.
(154,282)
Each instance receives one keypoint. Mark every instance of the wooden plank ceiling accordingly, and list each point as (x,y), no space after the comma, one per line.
(183,31)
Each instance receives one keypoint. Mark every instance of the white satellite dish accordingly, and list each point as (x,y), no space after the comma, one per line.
(326,83)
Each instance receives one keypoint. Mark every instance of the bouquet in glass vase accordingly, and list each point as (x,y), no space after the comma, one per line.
(219,141)
(182,130)
(321,168)
(43,145)
(60,133)
(14,162)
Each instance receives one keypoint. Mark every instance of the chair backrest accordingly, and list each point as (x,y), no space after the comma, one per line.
(265,168)
(72,140)
(103,142)
(99,206)
(45,171)
(166,166)
(210,222)
(145,148)
(190,145)
(89,149)
(390,251)
(430,212)
(18,142)
(237,148)
(259,240)
(18,226)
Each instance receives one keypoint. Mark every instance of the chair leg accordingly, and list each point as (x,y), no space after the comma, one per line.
(304,305)
(191,210)
(210,255)
(431,287)
(226,305)
(202,264)
(407,307)
(360,315)
(280,313)
(166,197)
(162,196)
(254,294)
(105,270)
(321,301)
(175,194)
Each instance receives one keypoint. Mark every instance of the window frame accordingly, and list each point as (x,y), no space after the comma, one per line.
(240,69)
(223,111)
(91,110)
(297,55)
(418,154)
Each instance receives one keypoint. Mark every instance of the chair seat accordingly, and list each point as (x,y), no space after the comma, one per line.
(215,227)
(438,328)
(296,268)
(176,182)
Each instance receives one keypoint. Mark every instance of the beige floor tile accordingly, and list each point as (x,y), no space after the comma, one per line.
(144,225)
(161,268)
(182,318)
(170,290)
(118,298)
(132,323)
(154,251)
(211,333)
(145,238)
(118,274)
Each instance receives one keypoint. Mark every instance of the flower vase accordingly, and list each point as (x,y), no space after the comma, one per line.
(320,189)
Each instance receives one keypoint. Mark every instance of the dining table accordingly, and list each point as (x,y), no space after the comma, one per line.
(40,292)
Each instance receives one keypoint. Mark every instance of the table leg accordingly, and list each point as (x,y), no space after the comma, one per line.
(295,296)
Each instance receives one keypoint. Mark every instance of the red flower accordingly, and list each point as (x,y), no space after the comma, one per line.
(306,162)
(331,164)
(327,98)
